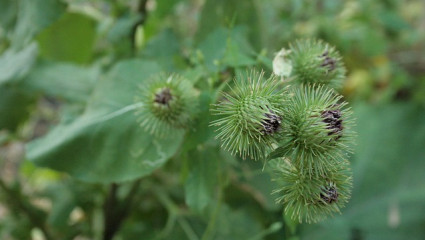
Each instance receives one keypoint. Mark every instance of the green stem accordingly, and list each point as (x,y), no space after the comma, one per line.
(173,212)
(17,202)
(111,223)
(212,223)
(175,215)
(272,229)
(115,211)
(187,229)
(142,11)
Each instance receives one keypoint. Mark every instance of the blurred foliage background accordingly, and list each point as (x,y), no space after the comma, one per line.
(65,64)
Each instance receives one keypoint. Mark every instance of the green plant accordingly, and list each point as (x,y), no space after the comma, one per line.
(162,119)
(308,127)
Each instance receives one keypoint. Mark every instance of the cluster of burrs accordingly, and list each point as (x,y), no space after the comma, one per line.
(303,129)
(313,174)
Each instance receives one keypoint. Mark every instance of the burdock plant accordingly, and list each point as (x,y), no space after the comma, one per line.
(306,128)
(169,103)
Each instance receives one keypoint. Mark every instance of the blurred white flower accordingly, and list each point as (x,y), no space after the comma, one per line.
(281,65)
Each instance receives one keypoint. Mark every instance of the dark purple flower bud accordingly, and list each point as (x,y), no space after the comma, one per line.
(271,123)
(333,120)
(163,97)
(329,195)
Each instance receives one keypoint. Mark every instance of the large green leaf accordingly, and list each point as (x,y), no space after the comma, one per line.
(164,48)
(51,78)
(122,28)
(14,65)
(33,16)
(71,38)
(388,199)
(202,180)
(106,144)
(7,13)
(229,13)
(156,20)
(14,107)
(238,224)
(226,47)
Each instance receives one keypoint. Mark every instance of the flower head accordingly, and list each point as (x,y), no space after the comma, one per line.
(312,199)
(169,103)
(316,129)
(250,116)
(314,61)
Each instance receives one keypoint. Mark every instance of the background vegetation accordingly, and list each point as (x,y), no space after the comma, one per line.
(68,150)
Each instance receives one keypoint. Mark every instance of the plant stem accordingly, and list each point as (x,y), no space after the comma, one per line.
(220,196)
(142,11)
(175,215)
(212,222)
(16,201)
(111,223)
(115,211)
